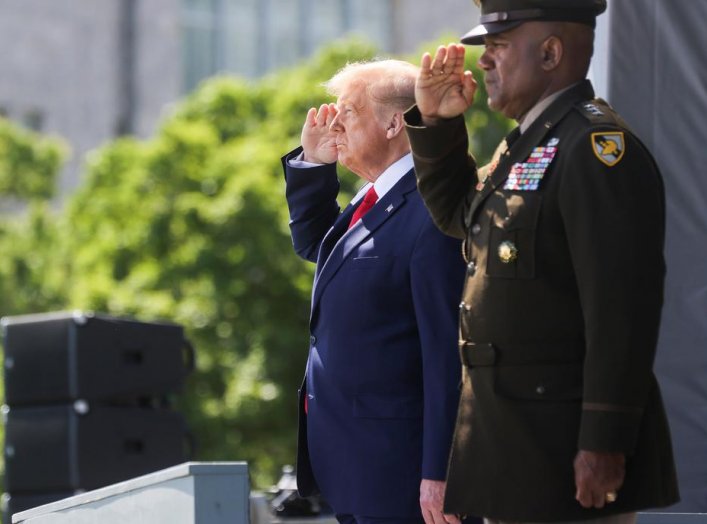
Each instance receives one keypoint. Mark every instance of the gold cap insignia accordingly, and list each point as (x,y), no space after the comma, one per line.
(609,147)
(507,252)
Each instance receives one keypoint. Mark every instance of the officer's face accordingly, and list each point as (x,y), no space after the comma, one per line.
(512,63)
(360,132)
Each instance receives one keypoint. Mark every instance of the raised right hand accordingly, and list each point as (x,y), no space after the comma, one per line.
(318,141)
(443,89)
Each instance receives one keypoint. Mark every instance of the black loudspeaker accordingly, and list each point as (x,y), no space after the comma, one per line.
(61,357)
(82,446)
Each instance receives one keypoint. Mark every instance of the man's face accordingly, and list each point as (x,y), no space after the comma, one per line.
(512,63)
(360,133)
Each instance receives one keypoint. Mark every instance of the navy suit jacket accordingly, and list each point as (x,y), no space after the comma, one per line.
(382,378)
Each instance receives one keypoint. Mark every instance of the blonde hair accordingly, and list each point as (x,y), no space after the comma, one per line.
(390,83)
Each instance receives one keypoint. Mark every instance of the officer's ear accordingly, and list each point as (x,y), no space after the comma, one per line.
(552,50)
(395,126)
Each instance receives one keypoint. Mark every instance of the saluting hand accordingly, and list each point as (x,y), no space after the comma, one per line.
(443,89)
(318,141)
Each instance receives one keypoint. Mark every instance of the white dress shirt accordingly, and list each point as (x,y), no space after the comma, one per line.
(388,178)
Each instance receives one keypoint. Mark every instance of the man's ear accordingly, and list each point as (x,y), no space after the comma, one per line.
(552,50)
(396,124)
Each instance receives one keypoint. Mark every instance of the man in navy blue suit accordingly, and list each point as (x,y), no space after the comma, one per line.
(380,395)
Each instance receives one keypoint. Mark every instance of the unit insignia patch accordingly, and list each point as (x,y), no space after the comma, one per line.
(609,147)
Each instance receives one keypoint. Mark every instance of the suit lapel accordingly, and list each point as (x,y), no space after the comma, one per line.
(532,137)
(332,237)
(347,242)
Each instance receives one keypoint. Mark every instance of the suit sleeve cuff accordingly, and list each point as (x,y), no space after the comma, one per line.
(298,162)
(436,141)
(610,430)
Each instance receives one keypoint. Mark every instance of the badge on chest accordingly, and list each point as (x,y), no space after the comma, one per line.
(526,176)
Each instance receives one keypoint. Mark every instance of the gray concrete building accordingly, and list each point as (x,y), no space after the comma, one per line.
(92,70)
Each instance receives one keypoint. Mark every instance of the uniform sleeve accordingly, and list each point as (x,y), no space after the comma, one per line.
(446,173)
(311,198)
(437,272)
(612,202)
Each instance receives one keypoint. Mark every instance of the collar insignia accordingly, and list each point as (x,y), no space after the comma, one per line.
(609,147)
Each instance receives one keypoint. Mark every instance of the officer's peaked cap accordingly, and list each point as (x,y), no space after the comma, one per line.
(498,16)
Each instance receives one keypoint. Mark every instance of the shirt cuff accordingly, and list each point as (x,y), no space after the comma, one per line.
(297,162)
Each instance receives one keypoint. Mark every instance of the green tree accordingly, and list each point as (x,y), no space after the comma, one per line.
(190,226)
(29,163)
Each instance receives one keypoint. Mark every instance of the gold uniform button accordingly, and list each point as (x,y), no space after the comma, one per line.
(507,252)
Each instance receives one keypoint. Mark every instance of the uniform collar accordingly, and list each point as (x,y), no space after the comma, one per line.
(535,111)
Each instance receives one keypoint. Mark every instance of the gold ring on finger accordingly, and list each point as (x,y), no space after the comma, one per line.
(610,496)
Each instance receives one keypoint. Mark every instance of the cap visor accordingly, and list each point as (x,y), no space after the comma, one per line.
(477,34)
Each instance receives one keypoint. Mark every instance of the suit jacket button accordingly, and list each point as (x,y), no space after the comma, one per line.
(312,339)
(540,390)
(475,229)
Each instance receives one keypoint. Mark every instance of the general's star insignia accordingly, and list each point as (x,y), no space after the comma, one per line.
(609,147)
(592,109)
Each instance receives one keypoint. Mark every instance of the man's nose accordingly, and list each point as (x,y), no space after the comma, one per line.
(485,62)
(335,125)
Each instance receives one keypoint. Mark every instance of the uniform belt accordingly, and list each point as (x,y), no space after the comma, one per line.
(476,354)
(473,354)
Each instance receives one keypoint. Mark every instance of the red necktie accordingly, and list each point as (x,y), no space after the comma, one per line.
(368,202)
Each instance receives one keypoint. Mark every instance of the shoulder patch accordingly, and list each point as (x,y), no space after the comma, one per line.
(609,146)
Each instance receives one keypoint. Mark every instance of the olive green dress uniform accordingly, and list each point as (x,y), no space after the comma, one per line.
(560,310)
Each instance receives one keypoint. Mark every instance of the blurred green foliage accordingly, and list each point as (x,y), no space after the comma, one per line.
(29,163)
(190,226)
